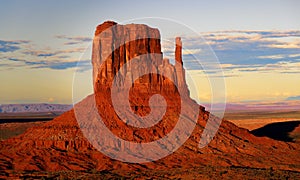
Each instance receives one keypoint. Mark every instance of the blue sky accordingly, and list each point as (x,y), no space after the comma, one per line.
(41,42)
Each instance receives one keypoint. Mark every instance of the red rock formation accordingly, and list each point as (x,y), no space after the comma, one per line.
(115,45)
(113,52)
(179,67)
(60,145)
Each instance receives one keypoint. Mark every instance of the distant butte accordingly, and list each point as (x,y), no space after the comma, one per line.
(60,145)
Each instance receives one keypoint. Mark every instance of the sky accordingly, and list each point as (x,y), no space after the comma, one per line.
(256,42)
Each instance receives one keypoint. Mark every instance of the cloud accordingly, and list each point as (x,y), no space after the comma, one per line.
(15,59)
(234,70)
(251,49)
(46,54)
(58,65)
(250,33)
(11,46)
(280,67)
(190,51)
(61,65)
(294,55)
(237,51)
(293,98)
(19,53)
(74,40)
(81,66)
(277,56)
(290,72)
(285,45)
(50,53)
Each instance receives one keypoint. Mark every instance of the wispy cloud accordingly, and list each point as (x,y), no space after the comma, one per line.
(279,67)
(25,54)
(244,50)
(82,65)
(276,56)
(11,46)
(49,53)
(74,40)
(253,33)
(59,65)
(237,51)
(293,45)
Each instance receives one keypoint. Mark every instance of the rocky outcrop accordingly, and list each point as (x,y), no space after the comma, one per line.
(115,46)
(60,144)
(180,72)
(130,55)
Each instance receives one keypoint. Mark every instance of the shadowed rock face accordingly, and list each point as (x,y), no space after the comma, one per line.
(60,145)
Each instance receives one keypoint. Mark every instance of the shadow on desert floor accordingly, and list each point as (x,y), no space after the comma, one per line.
(278,131)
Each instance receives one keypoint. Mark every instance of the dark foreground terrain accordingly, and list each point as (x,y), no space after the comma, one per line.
(203,172)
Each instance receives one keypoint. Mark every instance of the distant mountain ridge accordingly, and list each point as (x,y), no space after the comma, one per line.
(23,108)
(256,106)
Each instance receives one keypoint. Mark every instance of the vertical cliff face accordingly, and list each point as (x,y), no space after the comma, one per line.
(116,46)
(129,56)
(180,72)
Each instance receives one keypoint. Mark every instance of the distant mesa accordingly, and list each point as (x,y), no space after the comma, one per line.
(34,108)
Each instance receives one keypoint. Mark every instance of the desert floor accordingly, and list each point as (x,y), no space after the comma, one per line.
(278,125)
(251,120)
(260,123)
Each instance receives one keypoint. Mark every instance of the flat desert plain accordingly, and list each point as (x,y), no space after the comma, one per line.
(277,124)
(15,124)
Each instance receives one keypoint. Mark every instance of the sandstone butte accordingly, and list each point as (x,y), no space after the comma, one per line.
(60,144)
